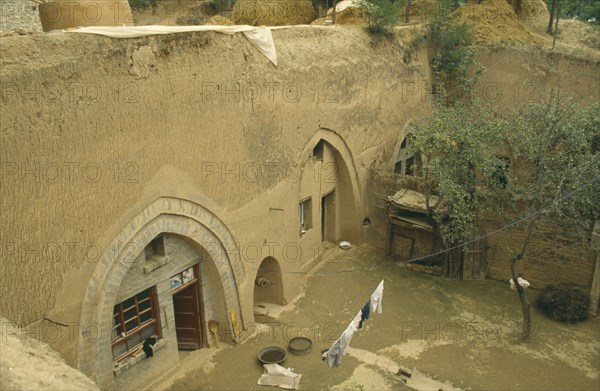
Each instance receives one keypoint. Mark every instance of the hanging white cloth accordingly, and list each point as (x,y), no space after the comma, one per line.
(349,332)
(376,299)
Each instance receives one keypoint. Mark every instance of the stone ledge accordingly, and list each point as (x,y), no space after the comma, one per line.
(139,356)
(155,263)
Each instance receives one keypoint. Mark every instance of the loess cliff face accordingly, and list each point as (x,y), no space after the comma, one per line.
(28,364)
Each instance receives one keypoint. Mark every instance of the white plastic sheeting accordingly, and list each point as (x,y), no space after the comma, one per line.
(276,375)
(342,5)
(260,37)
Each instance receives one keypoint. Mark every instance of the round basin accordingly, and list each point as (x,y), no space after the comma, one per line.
(345,245)
(272,355)
(300,345)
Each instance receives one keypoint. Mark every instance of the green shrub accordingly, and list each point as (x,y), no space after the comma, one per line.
(381,14)
(581,9)
(141,4)
(213,7)
(564,303)
(454,66)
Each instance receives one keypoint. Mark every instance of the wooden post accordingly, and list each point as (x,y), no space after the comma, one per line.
(595,290)
(390,237)
(333,16)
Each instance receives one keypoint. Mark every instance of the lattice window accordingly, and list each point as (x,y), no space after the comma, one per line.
(134,320)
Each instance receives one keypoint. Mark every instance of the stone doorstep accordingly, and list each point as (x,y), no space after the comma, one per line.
(137,357)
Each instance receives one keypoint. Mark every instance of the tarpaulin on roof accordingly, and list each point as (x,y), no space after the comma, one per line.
(412,200)
(342,5)
(260,37)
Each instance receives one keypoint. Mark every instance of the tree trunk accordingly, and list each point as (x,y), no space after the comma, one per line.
(552,11)
(525,305)
(333,15)
(556,25)
(517,6)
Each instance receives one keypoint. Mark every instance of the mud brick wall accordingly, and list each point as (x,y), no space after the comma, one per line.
(19,14)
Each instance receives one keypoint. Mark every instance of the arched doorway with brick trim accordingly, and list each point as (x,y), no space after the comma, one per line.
(165,215)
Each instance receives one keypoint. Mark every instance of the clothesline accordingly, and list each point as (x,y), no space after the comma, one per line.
(333,356)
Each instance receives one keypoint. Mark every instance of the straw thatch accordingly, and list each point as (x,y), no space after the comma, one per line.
(273,12)
(347,12)
(494,21)
(219,20)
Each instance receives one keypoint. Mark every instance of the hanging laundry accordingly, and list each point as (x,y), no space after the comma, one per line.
(365,313)
(334,354)
(349,332)
(376,298)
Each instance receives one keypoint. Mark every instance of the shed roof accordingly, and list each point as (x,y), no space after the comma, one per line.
(412,200)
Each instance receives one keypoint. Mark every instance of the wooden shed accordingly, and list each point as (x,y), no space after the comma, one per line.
(410,233)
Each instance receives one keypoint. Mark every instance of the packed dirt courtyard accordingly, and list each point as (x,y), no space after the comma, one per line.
(452,334)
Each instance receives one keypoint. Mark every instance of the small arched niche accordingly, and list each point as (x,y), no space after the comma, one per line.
(268,290)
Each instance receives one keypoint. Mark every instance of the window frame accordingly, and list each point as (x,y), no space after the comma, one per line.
(407,161)
(501,175)
(184,284)
(305,215)
(318,151)
(128,337)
